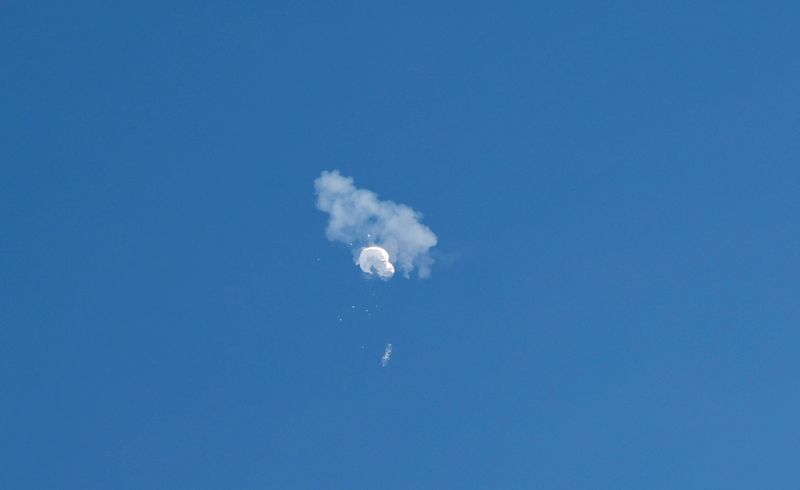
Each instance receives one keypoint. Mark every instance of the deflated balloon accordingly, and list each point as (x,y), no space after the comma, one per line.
(376,259)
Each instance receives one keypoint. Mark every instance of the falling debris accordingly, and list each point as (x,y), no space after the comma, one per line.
(377,259)
(387,355)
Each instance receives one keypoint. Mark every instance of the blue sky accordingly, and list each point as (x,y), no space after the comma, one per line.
(614,299)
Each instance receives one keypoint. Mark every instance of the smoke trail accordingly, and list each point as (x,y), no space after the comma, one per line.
(360,219)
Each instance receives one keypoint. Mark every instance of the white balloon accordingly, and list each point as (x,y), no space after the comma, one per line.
(377,259)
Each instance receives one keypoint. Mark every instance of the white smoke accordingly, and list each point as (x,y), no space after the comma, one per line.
(378,259)
(361,220)
(387,355)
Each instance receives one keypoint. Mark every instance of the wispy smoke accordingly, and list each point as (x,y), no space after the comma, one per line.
(387,355)
(359,219)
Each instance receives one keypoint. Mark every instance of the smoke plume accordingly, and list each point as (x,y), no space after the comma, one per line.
(369,225)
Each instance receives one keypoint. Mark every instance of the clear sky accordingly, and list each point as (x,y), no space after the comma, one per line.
(614,304)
